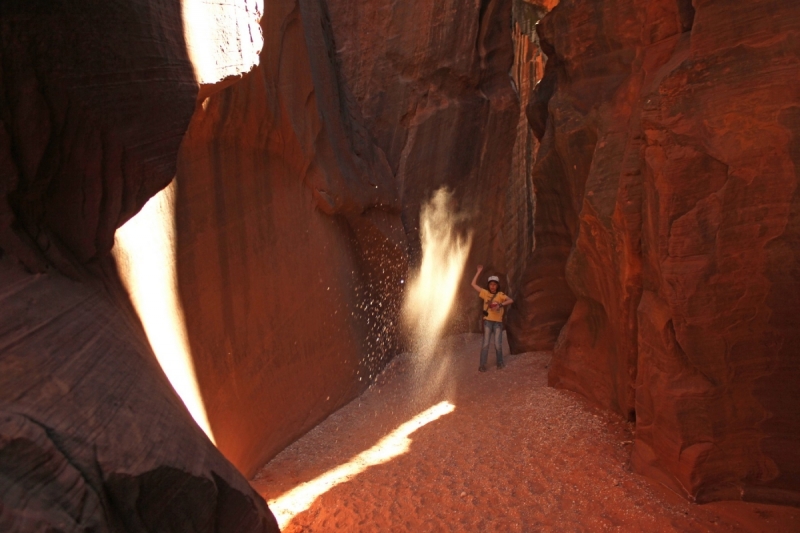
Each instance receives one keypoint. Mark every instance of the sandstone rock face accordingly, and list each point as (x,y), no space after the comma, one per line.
(92,436)
(667,213)
(94,101)
(79,153)
(86,138)
(431,80)
(291,250)
(529,314)
(299,192)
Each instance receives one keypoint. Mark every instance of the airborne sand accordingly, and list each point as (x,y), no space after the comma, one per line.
(514,455)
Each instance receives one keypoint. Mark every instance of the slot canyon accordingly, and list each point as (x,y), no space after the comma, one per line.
(236,240)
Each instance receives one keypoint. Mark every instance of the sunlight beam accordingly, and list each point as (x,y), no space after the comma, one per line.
(223,39)
(300,498)
(145,252)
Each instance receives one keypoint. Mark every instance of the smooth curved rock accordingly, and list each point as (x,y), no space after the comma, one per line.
(92,436)
(94,101)
(299,192)
(89,138)
(290,247)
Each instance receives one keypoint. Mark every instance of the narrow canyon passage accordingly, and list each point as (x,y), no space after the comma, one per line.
(222,224)
(511,455)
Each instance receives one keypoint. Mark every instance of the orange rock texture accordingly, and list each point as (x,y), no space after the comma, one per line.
(432,82)
(666,231)
(531,323)
(638,195)
(94,101)
(291,250)
(299,194)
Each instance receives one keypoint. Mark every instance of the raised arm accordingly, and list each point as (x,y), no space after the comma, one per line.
(475,279)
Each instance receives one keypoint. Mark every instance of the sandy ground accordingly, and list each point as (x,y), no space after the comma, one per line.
(513,455)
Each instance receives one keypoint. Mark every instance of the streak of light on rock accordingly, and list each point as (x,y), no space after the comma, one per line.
(222,39)
(288,505)
(145,251)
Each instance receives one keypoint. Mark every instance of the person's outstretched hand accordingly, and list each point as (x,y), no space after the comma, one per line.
(480,267)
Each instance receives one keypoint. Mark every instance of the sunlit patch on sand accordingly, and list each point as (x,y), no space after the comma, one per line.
(145,251)
(300,498)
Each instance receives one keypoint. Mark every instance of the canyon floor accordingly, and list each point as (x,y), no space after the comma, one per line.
(434,445)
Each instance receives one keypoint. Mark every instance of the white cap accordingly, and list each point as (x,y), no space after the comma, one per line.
(495,279)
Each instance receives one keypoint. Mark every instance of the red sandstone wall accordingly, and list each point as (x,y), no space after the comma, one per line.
(667,213)
(290,244)
(94,101)
(665,231)
(432,82)
(299,191)
(525,318)
(296,198)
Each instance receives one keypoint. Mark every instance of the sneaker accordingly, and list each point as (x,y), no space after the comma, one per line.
(500,366)
(482,368)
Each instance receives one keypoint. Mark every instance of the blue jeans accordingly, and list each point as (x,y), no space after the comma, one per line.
(492,328)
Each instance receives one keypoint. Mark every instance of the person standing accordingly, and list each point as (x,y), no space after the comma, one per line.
(494,304)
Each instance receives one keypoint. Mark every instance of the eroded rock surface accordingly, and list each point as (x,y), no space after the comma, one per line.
(87,139)
(92,436)
(527,321)
(291,250)
(667,213)
(299,193)
(432,82)
(94,101)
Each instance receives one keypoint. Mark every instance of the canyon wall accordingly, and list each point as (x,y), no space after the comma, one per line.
(525,323)
(299,191)
(290,247)
(658,255)
(94,101)
(432,82)
(666,233)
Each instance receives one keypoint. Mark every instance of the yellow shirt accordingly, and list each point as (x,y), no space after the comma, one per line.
(495,315)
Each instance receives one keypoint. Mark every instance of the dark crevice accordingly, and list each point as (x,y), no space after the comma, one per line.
(537,109)
(686,14)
